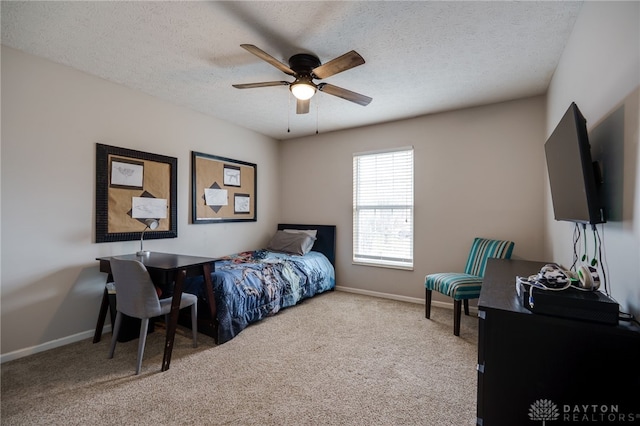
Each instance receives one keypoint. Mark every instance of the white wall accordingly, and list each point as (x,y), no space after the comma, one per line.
(478,172)
(52,117)
(600,71)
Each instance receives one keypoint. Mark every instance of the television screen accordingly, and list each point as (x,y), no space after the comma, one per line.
(572,174)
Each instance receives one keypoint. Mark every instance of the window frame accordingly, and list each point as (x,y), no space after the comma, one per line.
(360,257)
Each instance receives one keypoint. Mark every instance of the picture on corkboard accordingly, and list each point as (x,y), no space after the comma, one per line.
(126,173)
(132,186)
(223,190)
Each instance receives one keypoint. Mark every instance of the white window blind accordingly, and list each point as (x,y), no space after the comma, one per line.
(383,208)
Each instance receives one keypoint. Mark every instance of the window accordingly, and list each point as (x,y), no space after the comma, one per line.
(383,208)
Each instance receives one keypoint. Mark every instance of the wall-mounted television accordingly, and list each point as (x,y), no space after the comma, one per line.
(574,178)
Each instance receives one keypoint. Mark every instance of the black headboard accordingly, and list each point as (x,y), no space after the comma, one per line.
(325,238)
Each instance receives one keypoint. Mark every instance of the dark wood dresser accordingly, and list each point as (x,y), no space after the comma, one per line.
(537,369)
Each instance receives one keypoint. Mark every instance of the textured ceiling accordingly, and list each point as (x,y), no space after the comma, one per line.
(421,57)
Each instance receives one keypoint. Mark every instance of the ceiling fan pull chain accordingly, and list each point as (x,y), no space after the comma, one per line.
(289,114)
(317,109)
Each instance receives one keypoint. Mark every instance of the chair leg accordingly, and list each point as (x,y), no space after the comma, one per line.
(144,326)
(194,324)
(457,311)
(427,303)
(466,307)
(114,334)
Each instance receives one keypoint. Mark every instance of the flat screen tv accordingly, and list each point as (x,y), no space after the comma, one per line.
(573,176)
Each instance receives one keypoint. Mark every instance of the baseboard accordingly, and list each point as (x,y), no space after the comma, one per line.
(434,303)
(107,328)
(50,345)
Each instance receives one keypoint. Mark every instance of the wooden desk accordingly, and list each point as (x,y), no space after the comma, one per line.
(164,269)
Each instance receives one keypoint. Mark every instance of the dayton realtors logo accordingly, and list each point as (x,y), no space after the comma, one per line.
(545,410)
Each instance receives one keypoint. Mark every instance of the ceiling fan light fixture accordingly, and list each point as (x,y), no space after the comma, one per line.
(305,68)
(303,90)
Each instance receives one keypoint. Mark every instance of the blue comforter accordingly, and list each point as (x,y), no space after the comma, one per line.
(252,285)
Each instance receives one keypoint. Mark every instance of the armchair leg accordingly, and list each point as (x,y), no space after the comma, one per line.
(144,327)
(457,311)
(115,330)
(427,303)
(466,307)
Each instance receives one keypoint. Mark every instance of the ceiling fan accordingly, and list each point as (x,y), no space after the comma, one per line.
(306,68)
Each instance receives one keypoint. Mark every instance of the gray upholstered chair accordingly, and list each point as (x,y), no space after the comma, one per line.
(136,297)
(464,286)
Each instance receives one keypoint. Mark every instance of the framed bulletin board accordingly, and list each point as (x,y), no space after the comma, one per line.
(132,186)
(223,190)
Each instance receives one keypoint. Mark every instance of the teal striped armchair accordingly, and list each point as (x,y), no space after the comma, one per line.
(464,286)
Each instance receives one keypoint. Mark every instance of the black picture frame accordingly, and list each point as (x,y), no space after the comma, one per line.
(169,225)
(226,177)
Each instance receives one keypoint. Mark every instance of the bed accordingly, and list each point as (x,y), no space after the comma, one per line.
(253,285)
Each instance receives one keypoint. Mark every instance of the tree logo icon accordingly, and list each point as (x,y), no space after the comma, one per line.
(543,410)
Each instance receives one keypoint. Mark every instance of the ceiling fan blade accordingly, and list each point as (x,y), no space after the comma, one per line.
(344,94)
(263,84)
(268,58)
(341,63)
(302,107)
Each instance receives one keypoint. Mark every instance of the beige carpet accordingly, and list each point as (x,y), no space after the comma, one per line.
(336,359)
